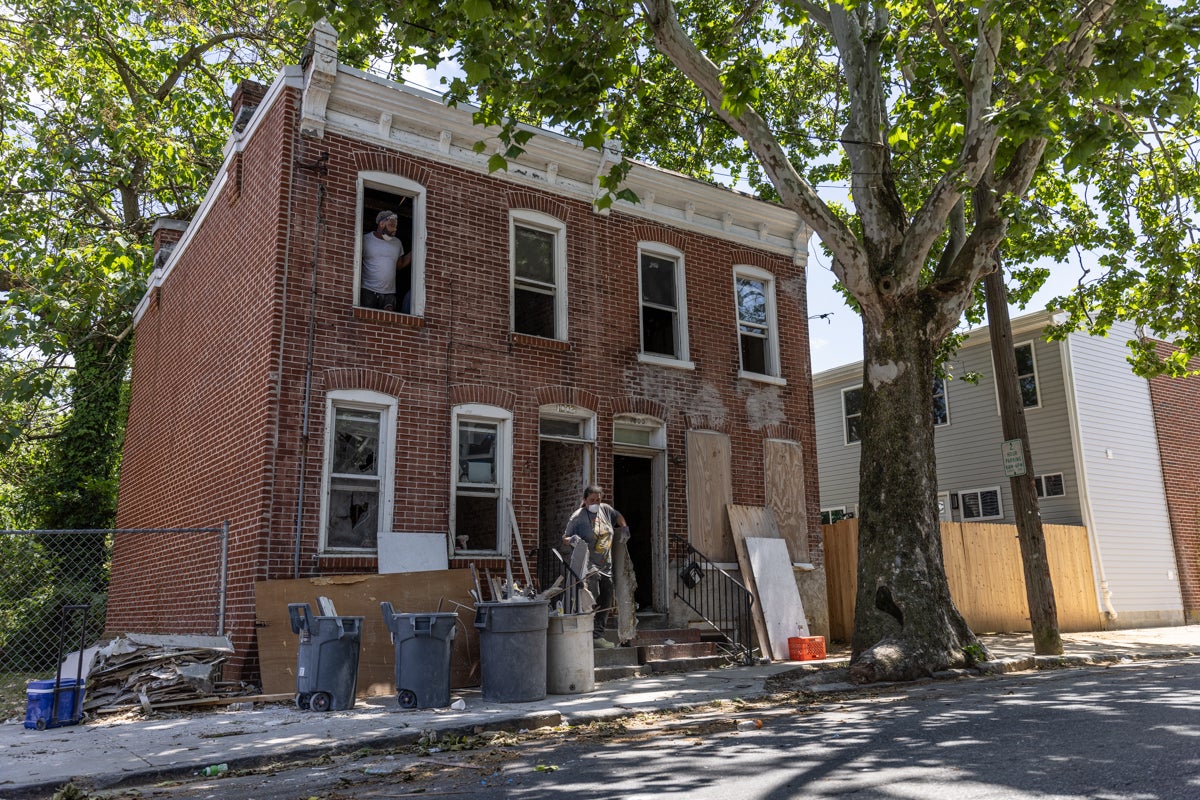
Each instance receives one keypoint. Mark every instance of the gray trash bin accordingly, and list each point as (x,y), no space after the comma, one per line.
(326,660)
(512,650)
(570,654)
(422,644)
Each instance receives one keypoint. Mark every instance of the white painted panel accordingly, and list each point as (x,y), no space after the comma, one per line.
(1123,475)
(777,592)
(412,552)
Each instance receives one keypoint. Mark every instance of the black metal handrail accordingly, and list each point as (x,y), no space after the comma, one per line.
(718,597)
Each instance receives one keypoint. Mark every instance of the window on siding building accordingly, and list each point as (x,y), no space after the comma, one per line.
(832,515)
(481,444)
(1027,375)
(538,257)
(754,291)
(379,192)
(978,505)
(941,404)
(663,305)
(356,501)
(1049,485)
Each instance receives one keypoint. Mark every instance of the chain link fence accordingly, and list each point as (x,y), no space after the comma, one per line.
(57,588)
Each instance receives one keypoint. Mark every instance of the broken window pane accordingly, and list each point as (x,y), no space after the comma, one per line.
(475,516)
(477,452)
(356,442)
(353,520)
(752,301)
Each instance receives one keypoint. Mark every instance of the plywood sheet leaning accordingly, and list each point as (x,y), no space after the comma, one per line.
(783,475)
(752,521)
(777,593)
(709,491)
(360,595)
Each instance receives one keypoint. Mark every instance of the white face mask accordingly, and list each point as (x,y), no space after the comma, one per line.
(594,508)
(387,237)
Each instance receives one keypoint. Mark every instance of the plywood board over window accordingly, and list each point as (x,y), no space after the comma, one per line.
(709,491)
(783,465)
(360,596)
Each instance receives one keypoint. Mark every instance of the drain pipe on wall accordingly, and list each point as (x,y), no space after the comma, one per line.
(320,167)
(1085,503)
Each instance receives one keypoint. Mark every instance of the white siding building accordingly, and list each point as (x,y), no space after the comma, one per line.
(1095,456)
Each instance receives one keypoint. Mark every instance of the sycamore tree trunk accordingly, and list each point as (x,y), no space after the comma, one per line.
(905,623)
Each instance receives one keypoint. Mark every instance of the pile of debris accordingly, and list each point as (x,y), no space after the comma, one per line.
(149,672)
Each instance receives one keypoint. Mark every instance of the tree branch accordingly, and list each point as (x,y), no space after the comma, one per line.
(194,53)
(850,263)
(817,13)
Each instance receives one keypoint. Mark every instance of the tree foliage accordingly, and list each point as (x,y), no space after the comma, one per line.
(112,114)
(955,126)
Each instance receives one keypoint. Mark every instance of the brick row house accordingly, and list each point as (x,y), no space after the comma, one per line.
(659,348)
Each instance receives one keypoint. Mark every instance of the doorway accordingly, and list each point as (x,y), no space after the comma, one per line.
(633,494)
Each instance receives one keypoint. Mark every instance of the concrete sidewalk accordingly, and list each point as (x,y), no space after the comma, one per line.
(108,752)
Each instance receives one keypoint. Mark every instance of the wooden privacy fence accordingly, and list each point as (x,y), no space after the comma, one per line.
(987,579)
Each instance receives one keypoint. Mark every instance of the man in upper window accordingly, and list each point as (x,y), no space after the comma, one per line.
(382,255)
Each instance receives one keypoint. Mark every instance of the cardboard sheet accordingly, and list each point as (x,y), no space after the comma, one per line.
(360,595)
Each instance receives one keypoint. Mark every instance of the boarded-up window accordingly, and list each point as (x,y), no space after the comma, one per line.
(709,491)
(783,465)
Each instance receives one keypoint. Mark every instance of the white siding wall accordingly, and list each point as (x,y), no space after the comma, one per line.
(969,448)
(1125,491)
(837,462)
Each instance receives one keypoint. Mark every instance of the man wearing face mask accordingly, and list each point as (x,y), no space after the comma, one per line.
(382,255)
(596,523)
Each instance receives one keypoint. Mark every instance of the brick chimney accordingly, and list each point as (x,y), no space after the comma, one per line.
(166,232)
(246,98)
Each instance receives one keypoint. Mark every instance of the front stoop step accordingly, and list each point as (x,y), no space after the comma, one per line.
(651,654)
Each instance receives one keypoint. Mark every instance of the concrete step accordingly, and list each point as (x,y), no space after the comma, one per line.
(616,657)
(660,636)
(686,664)
(667,652)
(617,672)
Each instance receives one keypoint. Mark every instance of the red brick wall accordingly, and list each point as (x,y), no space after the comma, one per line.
(203,442)
(198,445)
(1175,402)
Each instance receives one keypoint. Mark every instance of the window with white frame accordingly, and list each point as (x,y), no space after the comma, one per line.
(637,430)
(754,291)
(481,441)
(566,422)
(1027,375)
(832,515)
(663,303)
(356,498)
(852,414)
(379,192)
(980,504)
(538,257)
(941,405)
(1050,485)
(943,502)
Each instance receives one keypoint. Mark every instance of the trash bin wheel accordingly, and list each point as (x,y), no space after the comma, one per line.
(320,701)
(407,698)
(41,724)
(302,702)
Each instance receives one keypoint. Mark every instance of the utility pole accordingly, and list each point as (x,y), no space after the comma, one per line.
(1039,589)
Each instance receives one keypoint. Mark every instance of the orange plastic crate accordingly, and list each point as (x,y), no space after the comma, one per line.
(806,648)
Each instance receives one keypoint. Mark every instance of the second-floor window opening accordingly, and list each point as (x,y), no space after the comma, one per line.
(538,254)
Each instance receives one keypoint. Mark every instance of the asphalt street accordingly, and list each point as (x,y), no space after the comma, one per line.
(1126,731)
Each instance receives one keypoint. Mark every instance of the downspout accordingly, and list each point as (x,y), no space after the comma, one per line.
(320,166)
(1085,503)
(283,315)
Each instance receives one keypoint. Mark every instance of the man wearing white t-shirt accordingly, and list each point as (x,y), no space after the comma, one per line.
(382,255)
